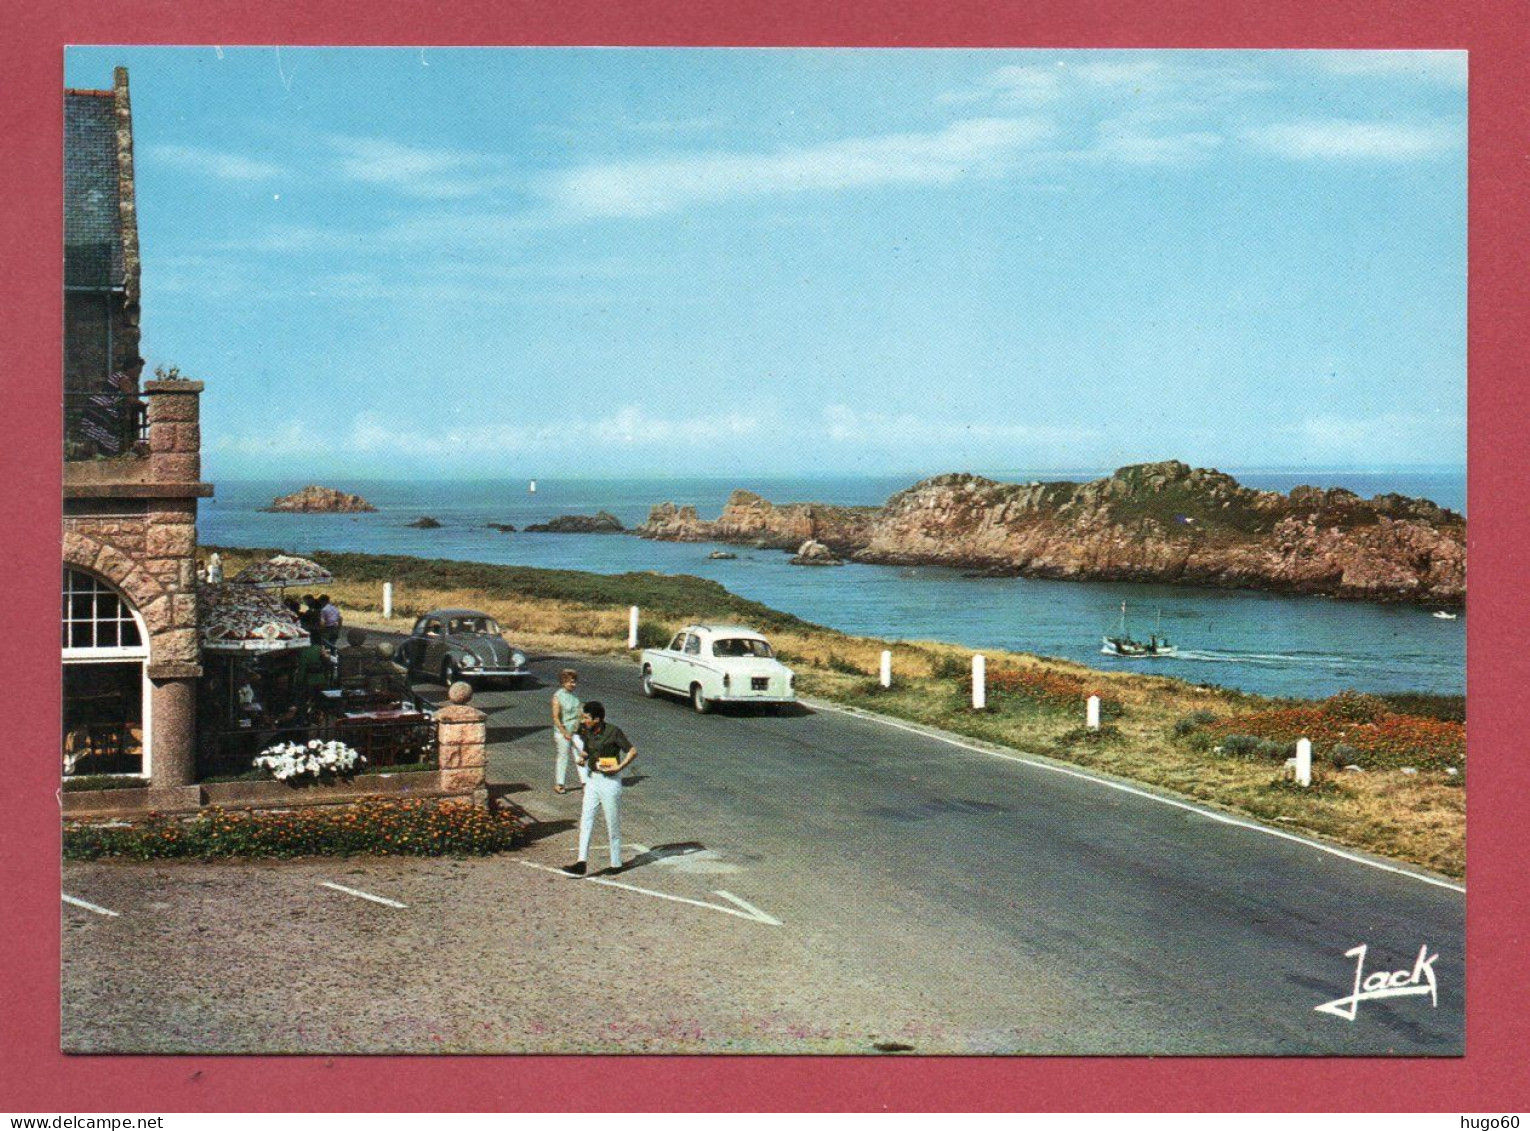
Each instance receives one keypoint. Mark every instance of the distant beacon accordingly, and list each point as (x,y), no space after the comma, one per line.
(533,487)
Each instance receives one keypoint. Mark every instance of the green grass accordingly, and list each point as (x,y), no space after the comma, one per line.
(671,595)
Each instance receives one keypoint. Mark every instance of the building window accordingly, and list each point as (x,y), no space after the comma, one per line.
(105,680)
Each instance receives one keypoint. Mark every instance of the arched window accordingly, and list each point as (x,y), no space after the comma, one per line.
(105,653)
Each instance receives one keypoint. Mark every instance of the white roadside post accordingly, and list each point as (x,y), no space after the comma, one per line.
(1092,713)
(979,683)
(886,669)
(632,617)
(1304,762)
(387,600)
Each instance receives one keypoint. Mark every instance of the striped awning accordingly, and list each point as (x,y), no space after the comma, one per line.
(241,618)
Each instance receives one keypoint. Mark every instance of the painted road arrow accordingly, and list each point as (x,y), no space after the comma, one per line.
(741,908)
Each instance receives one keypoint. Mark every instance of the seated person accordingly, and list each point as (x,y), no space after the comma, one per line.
(314,672)
(247,702)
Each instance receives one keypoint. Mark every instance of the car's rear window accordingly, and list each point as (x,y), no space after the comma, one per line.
(741,646)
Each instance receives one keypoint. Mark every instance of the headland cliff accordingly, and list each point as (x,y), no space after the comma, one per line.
(1157,522)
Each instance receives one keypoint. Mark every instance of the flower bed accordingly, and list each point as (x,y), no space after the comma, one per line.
(383,828)
(1377,738)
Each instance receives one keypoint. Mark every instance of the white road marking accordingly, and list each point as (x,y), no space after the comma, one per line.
(364,895)
(754,912)
(1122,787)
(89,906)
(743,910)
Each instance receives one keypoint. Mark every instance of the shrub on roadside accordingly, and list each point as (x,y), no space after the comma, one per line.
(1354,707)
(1446,708)
(651,634)
(1389,742)
(1343,755)
(384,828)
(1083,736)
(947,666)
(1192,722)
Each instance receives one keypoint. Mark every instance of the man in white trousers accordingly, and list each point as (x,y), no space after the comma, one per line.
(604,751)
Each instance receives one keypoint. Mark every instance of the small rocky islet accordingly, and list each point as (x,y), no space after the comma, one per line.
(314,499)
(602,523)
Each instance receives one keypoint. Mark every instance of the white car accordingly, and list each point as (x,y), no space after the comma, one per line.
(718,663)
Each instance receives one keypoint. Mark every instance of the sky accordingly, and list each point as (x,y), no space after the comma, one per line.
(503,263)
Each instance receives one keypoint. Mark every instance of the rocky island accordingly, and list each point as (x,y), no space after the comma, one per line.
(321,500)
(602,523)
(1157,522)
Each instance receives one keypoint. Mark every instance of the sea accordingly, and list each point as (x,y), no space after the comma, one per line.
(1304,647)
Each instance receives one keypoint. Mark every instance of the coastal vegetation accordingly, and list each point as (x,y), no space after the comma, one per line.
(1405,798)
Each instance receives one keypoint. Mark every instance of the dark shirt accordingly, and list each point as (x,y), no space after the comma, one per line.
(607,742)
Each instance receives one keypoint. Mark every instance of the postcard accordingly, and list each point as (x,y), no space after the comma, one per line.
(896,553)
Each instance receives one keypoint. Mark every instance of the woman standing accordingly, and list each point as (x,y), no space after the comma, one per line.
(566,712)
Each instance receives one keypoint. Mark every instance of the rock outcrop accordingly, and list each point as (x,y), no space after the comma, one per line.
(602,523)
(502,527)
(814,553)
(1160,522)
(425,523)
(751,520)
(321,500)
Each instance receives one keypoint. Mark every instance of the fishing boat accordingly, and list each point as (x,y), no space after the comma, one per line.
(1441,614)
(1153,647)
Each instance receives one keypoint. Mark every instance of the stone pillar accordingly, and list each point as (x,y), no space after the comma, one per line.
(175,431)
(462,738)
(172,732)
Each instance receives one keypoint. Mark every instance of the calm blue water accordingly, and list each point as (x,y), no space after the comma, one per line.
(1299,646)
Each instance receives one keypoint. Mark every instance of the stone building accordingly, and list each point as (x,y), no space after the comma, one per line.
(132,478)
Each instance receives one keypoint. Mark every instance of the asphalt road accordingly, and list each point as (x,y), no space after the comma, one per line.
(813,882)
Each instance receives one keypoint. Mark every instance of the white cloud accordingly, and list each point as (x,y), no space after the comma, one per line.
(213,163)
(1126,142)
(648,187)
(1400,437)
(1445,67)
(1343,138)
(846,425)
(378,433)
(417,171)
(1025,85)
(1129,73)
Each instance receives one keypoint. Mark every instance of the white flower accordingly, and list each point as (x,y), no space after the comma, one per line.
(288,760)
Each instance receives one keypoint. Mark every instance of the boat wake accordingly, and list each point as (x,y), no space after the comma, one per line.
(1267,659)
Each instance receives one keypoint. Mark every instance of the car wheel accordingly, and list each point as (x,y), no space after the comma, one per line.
(450,673)
(699,699)
(648,688)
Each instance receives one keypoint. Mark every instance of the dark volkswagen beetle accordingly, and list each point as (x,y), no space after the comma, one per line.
(453,644)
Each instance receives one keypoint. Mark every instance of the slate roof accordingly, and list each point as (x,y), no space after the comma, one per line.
(92,222)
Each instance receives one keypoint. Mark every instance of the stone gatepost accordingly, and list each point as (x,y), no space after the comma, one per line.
(462,732)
